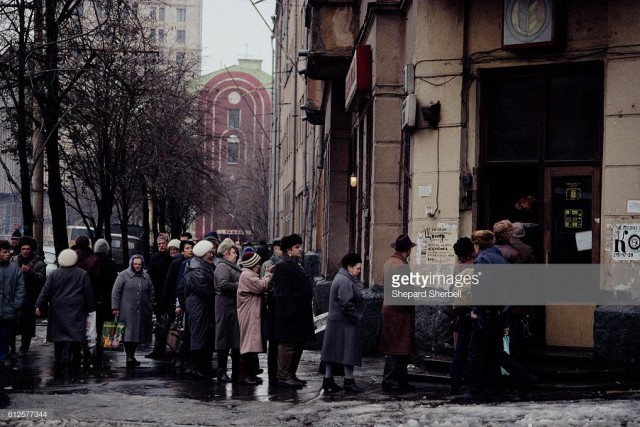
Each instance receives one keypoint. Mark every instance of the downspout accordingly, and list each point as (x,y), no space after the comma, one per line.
(294,116)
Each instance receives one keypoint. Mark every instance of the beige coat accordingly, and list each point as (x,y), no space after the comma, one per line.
(397,336)
(251,289)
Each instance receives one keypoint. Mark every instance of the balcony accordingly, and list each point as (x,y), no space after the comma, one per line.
(333,26)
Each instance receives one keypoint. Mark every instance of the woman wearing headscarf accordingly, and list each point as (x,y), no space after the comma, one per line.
(227,276)
(70,297)
(251,290)
(132,302)
(343,336)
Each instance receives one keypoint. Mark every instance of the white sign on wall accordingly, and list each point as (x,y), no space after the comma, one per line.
(626,242)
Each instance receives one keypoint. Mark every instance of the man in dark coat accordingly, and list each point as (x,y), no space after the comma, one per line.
(294,314)
(70,297)
(35,274)
(158,267)
(200,291)
(102,280)
(86,257)
(397,338)
(12,294)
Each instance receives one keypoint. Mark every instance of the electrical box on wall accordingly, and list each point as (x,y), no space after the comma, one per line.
(409,112)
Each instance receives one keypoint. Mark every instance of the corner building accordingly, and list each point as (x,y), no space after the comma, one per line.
(445,115)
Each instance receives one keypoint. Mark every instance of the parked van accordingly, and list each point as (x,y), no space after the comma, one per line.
(134,243)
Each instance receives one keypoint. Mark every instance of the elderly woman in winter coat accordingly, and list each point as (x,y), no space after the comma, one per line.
(200,294)
(70,297)
(342,337)
(227,275)
(132,302)
(251,289)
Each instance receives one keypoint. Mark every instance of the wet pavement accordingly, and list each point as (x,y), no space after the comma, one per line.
(159,392)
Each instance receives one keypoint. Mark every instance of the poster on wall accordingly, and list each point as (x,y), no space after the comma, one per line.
(435,244)
(626,242)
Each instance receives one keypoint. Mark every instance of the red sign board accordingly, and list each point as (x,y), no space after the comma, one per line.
(359,75)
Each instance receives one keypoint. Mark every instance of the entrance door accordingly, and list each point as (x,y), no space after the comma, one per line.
(571,236)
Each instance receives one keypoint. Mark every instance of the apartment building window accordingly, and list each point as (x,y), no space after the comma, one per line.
(180,57)
(152,35)
(234,119)
(181,15)
(153,13)
(160,35)
(233,146)
(161,13)
(181,36)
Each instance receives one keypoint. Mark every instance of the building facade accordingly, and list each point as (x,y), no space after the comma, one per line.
(450,116)
(237,128)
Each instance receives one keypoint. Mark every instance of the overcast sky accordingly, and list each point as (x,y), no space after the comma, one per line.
(233,29)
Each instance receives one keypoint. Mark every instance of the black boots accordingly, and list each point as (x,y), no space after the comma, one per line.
(130,350)
(350,386)
(246,376)
(330,386)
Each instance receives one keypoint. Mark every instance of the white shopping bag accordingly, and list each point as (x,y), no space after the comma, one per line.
(91,334)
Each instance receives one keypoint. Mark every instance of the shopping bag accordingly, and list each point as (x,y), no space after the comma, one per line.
(507,349)
(113,335)
(175,336)
(91,329)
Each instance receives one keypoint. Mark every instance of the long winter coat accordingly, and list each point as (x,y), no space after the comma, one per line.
(133,295)
(12,290)
(293,311)
(198,283)
(70,297)
(251,289)
(33,281)
(397,336)
(227,276)
(343,336)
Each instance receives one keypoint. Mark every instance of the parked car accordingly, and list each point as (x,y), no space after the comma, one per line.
(134,243)
(50,258)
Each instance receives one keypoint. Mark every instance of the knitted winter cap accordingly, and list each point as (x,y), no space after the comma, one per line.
(518,229)
(225,246)
(101,246)
(162,237)
(250,260)
(503,230)
(174,243)
(202,247)
(67,258)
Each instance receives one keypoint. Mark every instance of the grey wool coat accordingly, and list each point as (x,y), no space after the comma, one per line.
(133,295)
(198,285)
(70,297)
(343,336)
(227,276)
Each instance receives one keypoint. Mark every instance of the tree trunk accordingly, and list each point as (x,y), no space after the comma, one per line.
(145,222)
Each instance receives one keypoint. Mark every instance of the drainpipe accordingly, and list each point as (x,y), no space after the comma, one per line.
(294,117)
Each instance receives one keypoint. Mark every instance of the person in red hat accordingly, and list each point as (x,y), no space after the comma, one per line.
(397,338)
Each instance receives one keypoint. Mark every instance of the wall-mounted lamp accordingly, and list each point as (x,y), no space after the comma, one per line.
(353,180)
(431,114)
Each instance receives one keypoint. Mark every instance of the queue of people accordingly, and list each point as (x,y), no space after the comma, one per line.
(239,307)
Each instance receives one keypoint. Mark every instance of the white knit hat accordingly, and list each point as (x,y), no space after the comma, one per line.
(67,258)
(202,247)
(101,246)
(174,243)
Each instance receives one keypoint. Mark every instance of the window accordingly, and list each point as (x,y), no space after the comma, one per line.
(153,13)
(161,13)
(180,36)
(180,57)
(181,15)
(233,145)
(234,119)
(160,35)
(152,35)
(544,113)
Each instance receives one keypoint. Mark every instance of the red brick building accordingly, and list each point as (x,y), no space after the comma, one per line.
(237,125)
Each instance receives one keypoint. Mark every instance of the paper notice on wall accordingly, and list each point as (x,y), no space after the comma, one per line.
(584,240)
(633,206)
(626,242)
(435,244)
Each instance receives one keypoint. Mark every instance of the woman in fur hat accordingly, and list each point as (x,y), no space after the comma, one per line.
(70,297)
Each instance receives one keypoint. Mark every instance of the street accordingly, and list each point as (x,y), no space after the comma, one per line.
(156,392)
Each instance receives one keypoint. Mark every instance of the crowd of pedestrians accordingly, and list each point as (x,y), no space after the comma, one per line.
(237,306)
